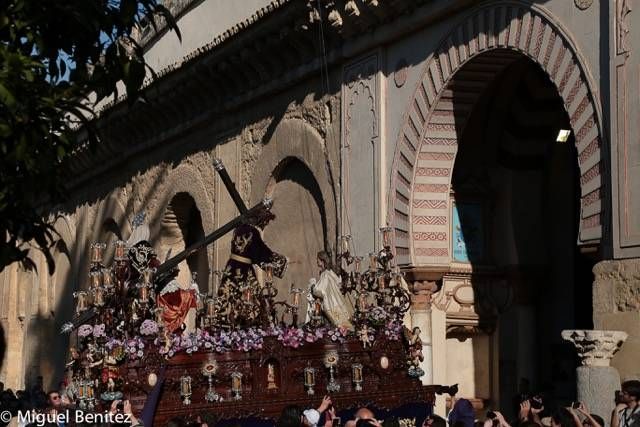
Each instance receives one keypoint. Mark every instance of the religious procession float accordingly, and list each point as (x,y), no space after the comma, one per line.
(245,352)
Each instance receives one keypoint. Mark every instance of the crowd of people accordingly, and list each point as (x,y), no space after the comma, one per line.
(533,411)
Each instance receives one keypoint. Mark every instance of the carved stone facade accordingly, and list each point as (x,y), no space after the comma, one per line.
(360,141)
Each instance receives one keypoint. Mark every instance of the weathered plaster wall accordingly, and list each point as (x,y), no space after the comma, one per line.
(199,26)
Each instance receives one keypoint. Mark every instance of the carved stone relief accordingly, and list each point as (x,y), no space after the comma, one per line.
(319,114)
(583,4)
(623,26)
(360,80)
(361,151)
(252,142)
(616,288)
(595,348)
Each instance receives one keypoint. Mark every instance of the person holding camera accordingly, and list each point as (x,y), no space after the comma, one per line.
(627,411)
(124,407)
(495,419)
(530,410)
(590,420)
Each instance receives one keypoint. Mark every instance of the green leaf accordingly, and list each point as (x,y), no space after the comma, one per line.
(6,96)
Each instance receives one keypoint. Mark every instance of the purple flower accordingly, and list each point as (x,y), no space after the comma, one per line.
(98,330)
(149,327)
(85,330)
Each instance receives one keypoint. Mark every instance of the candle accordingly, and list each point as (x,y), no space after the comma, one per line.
(295,296)
(82,301)
(381,282)
(211,307)
(373,262)
(97,252)
(81,390)
(362,302)
(386,235)
(121,250)
(95,278)
(357,372)
(185,386)
(268,269)
(246,294)
(357,262)
(144,293)
(317,308)
(98,297)
(236,381)
(107,278)
(309,379)
(345,243)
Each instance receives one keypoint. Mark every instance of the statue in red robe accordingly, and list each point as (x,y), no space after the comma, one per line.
(179,305)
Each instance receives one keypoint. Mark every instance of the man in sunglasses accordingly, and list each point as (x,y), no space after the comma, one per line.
(627,412)
(54,400)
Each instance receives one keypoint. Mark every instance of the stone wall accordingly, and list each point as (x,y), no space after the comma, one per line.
(616,306)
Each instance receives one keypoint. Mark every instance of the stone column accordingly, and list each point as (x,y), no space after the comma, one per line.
(421,317)
(597,381)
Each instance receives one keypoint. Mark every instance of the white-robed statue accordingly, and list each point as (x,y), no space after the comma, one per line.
(326,290)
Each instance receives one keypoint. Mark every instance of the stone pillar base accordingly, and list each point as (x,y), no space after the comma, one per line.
(596,388)
(597,380)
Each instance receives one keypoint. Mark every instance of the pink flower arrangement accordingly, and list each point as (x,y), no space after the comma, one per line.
(85,331)
(149,327)
(99,330)
(291,337)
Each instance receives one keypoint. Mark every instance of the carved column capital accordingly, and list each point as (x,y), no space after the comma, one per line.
(595,348)
(421,292)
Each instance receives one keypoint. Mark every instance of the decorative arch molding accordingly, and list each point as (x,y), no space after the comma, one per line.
(294,138)
(427,143)
(187,179)
(63,248)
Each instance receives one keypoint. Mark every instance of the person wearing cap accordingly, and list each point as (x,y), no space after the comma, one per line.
(292,416)
(311,417)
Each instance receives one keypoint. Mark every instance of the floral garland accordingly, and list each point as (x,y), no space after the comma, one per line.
(222,341)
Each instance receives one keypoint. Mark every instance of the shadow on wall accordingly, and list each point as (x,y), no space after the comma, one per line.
(301,232)
(516,195)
